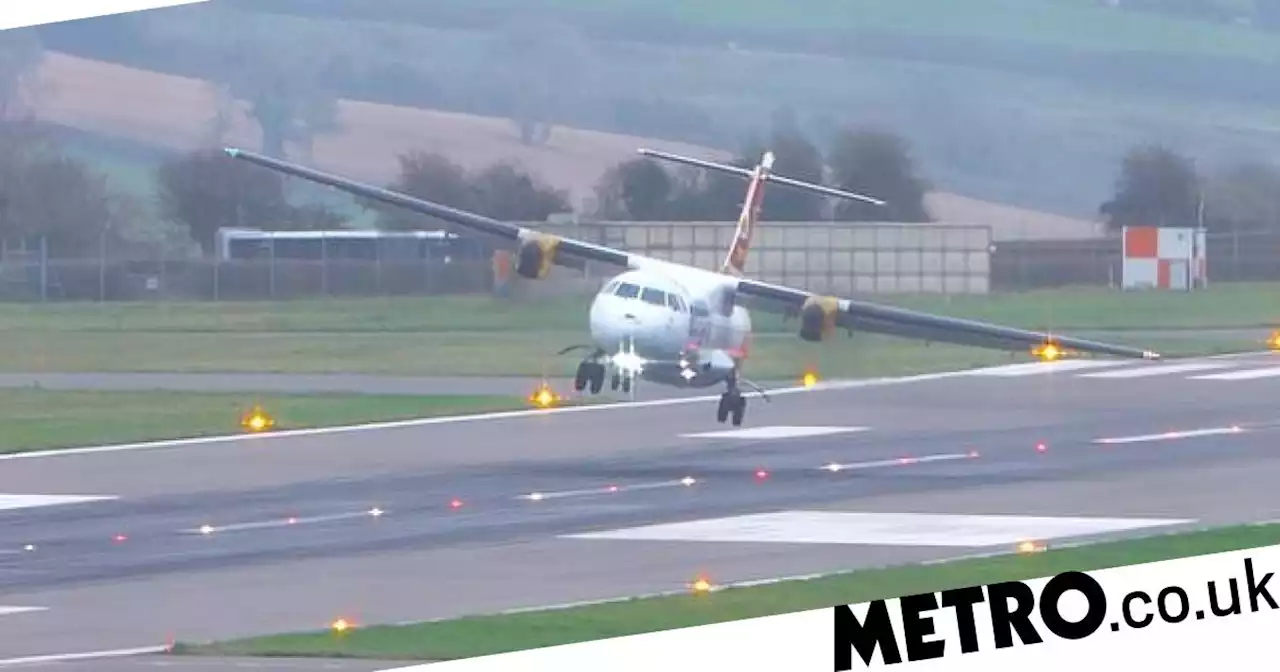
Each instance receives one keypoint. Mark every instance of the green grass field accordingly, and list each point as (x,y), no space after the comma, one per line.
(483,635)
(489,336)
(1074,24)
(45,419)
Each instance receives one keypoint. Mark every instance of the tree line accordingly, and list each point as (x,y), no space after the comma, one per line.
(45,191)
(1158,186)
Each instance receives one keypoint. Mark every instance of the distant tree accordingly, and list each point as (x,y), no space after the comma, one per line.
(876,163)
(45,193)
(428,176)
(636,190)
(284,85)
(20,55)
(207,190)
(1245,196)
(506,192)
(1156,187)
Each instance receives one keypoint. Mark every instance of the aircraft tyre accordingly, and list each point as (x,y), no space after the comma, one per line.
(589,373)
(732,403)
(597,378)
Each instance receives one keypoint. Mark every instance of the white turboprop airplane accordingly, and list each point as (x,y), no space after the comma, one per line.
(684,326)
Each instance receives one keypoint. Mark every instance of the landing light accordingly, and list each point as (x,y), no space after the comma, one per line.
(1028,547)
(257,420)
(544,397)
(1048,352)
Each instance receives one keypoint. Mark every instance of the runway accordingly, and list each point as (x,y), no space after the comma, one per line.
(440,519)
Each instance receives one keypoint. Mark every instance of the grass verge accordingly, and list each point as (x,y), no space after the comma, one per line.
(44,419)
(511,353)
(485,635)
(1074,309)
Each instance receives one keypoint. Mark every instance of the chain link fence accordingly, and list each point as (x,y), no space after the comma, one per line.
(798,258)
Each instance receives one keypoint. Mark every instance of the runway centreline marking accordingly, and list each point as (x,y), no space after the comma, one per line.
(897,462)
(1171,436)
(451,419)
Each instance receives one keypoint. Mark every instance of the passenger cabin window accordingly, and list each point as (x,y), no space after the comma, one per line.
(627,290)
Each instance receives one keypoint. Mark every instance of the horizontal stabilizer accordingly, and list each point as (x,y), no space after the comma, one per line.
(747,173)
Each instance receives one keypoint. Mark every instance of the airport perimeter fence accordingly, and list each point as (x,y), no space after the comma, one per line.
(976,266)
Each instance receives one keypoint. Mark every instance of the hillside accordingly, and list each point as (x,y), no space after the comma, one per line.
(172,113)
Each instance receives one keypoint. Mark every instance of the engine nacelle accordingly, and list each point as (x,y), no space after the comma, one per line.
(535,255)
(818,317)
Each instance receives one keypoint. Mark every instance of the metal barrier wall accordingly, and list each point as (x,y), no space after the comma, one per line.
(828,257)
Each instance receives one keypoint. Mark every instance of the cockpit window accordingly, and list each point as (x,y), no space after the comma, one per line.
(656,297)
(627,290)
(609,288)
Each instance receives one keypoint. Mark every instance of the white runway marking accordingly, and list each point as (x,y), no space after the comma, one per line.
(9,611)
(1045,368)
(685,482)
(896,462)
(8,502)
(478,417)
(1171,436)
(1147,371)
(88,655)
(1246,374)
(774,432)
(878,529)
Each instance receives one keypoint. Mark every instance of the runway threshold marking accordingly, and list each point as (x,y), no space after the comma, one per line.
(877,529)
(477,417)
(1171,436)
(774,432)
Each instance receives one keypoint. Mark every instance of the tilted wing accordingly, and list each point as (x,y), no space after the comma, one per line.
(821,315)
(536,252)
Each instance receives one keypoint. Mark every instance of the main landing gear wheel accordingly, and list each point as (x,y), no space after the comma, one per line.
(732,403)
(589,373)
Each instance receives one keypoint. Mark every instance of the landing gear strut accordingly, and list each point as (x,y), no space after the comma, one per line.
(732,402)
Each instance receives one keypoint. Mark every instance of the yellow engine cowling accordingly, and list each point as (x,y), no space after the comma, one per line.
(535,255)
(818,317)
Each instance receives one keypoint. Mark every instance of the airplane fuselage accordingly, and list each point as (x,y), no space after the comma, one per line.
(675,325)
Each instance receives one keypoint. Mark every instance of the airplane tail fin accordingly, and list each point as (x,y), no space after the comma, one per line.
(736,260)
